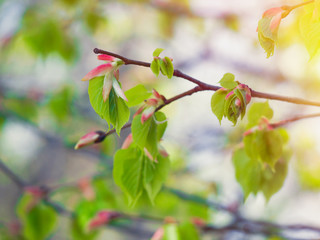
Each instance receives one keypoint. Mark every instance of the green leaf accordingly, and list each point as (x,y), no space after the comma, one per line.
(248,172)
(188,231)
(270,146)
(227,81)
(266,37)
(169,66)
(162,124)
(155,67)
(171,232)
(137,95)
(59,104)
(128,172)
(251,145)
(114,110)
(155,175)
(148,134)
(163,67)
(78,232)
(272,180)
(217,103)
(309,24)
(118,110)
(39,221)
(157,52)
(258,110)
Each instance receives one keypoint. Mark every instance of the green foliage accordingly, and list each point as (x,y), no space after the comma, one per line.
(218,102)
(115,111)
(183,231)
(161,64)
(49,35)
(231,100)
(261,165)
(257,111)
(60,103)
(23,107)
(228,82)
(157,52)
(135,173)
(309,24)
(137,95)
(78,232)
(39,221)
(148,134)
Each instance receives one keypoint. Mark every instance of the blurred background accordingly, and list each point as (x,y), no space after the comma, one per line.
(46,48)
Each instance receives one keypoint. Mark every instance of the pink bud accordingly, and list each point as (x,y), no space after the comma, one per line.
(156,94)
(276,15)
(118,90)
(248,97)
(87,189)
(102,218)
(98,71)
(238,102)
(148,154)
(105,57)
(147,113)
(138,111)
(107,86)
(199,222)
(229,94)
(158,235)
(90,138)
(163,151)
(248,132)
(127,142)
(152,102)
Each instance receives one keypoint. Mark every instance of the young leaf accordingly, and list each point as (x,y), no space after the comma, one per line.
(148,134)
(157,52)
(169,66)
(154,176)
(155,67)
(272,180)
(248,172)
(137,95)
(270,146)
(171,232)
(118,110)
(163,67)
(128,172)
(39,221)
(227,81)
(115,111)
(309,25)
(188,231)
(258,110)
(217,103)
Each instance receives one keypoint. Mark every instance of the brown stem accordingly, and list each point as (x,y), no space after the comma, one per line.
(10,174)
(204,86)
(290,120)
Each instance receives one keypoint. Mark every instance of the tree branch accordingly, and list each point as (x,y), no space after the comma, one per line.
(10,174)
(205,86)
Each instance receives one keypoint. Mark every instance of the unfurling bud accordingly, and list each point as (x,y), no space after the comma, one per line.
(127,142)
(102,218)
(90,138)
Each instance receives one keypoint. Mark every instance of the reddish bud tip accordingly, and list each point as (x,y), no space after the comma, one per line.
(86,188)
(229,94)
(102,218)
(127,142)
(105,57)
(158,235)
(155,93)
(238,102)
(90,138)
(98,71)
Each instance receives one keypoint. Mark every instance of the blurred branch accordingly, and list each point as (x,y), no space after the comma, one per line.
(204,86)
(290,120)
(14,178)
(239,223)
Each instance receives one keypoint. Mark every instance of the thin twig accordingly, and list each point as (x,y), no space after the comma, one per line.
(10,174)
(204,86)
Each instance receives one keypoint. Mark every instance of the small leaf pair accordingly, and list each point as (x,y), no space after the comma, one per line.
(231,100)
(161,64)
